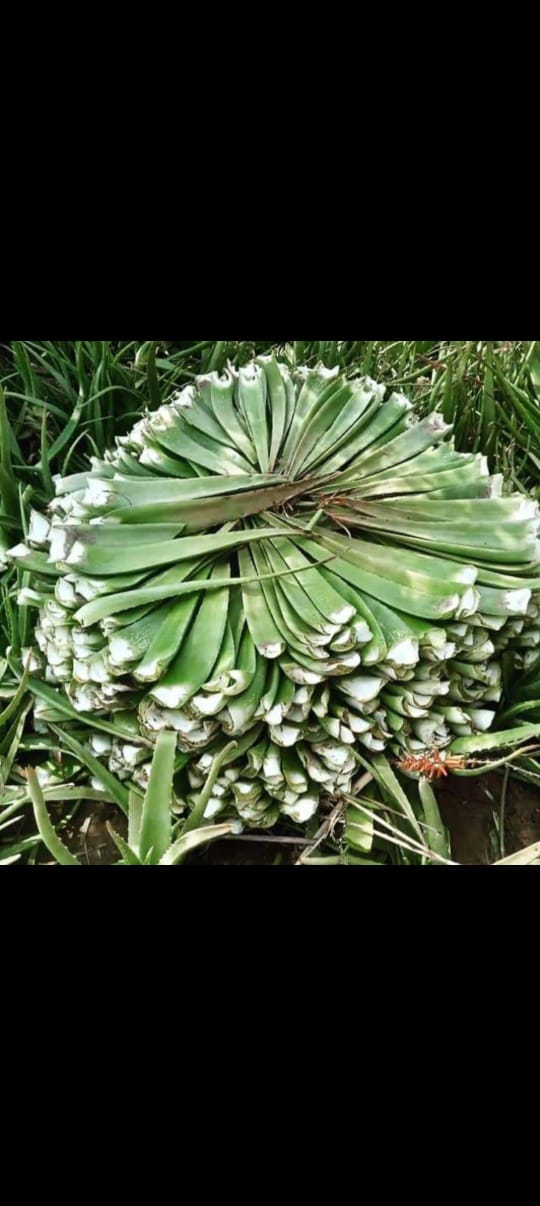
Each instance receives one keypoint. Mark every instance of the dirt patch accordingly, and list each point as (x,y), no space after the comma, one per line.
(249,854)
(523,817)
(471,810)
(88,838)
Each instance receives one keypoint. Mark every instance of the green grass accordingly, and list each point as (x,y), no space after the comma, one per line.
(63,402)
(66,401)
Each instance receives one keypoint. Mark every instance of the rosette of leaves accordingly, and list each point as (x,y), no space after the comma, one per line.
(290,559)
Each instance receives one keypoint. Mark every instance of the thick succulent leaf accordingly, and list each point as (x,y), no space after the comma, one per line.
(156,820)
(486,742)
(47,832)
(192,841)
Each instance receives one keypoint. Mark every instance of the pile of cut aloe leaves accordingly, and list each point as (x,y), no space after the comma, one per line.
(330,605)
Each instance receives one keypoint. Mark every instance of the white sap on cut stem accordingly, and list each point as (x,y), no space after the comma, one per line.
(99,494)
(357,724)
(19,552)
(99,672)
(299,674)
(150,674)
(275,716)
(60,544)
(31,660)
(341,617)
(208,705)
(185,398)
(344,664)
(65,592)
(132,754)
(444,653)
(100,744)
(247,791)
(239,684)
(335,755)
(76,555)
(285,735)
(171,697)
(482,719)
(468,604)
(526,509)
(271,652)
(222,684)
(371,743)
(136,438)
(39,529)
(317,770)
(517,601)
(404,653)
(120,651)
(346,736)
(84,699)
(362,632)
(298,780)
(150,457)
(303,810)
(363,690)
(84,642)
(163,419)
(213,808)
(333,726)
(29,598)
(344,642)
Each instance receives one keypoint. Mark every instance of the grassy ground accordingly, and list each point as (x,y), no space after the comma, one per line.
(62,402)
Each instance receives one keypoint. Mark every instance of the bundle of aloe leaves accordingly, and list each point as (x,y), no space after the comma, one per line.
(292,577)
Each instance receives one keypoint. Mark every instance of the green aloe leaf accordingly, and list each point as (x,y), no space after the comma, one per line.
(156,821)
(485,743)
(47,832)
(192,841)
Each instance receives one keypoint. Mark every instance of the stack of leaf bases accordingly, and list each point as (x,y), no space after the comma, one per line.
(204,579)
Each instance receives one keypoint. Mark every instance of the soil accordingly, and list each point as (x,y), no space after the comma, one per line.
(88,837)
(247,854)
(470,809)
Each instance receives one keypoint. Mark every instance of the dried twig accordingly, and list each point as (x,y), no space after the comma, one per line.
(328,826)
(267,840)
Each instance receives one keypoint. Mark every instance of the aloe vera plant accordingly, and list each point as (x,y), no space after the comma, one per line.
(285,557)
(151,840)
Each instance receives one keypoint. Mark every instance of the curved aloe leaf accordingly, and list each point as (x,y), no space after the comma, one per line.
(156,820)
